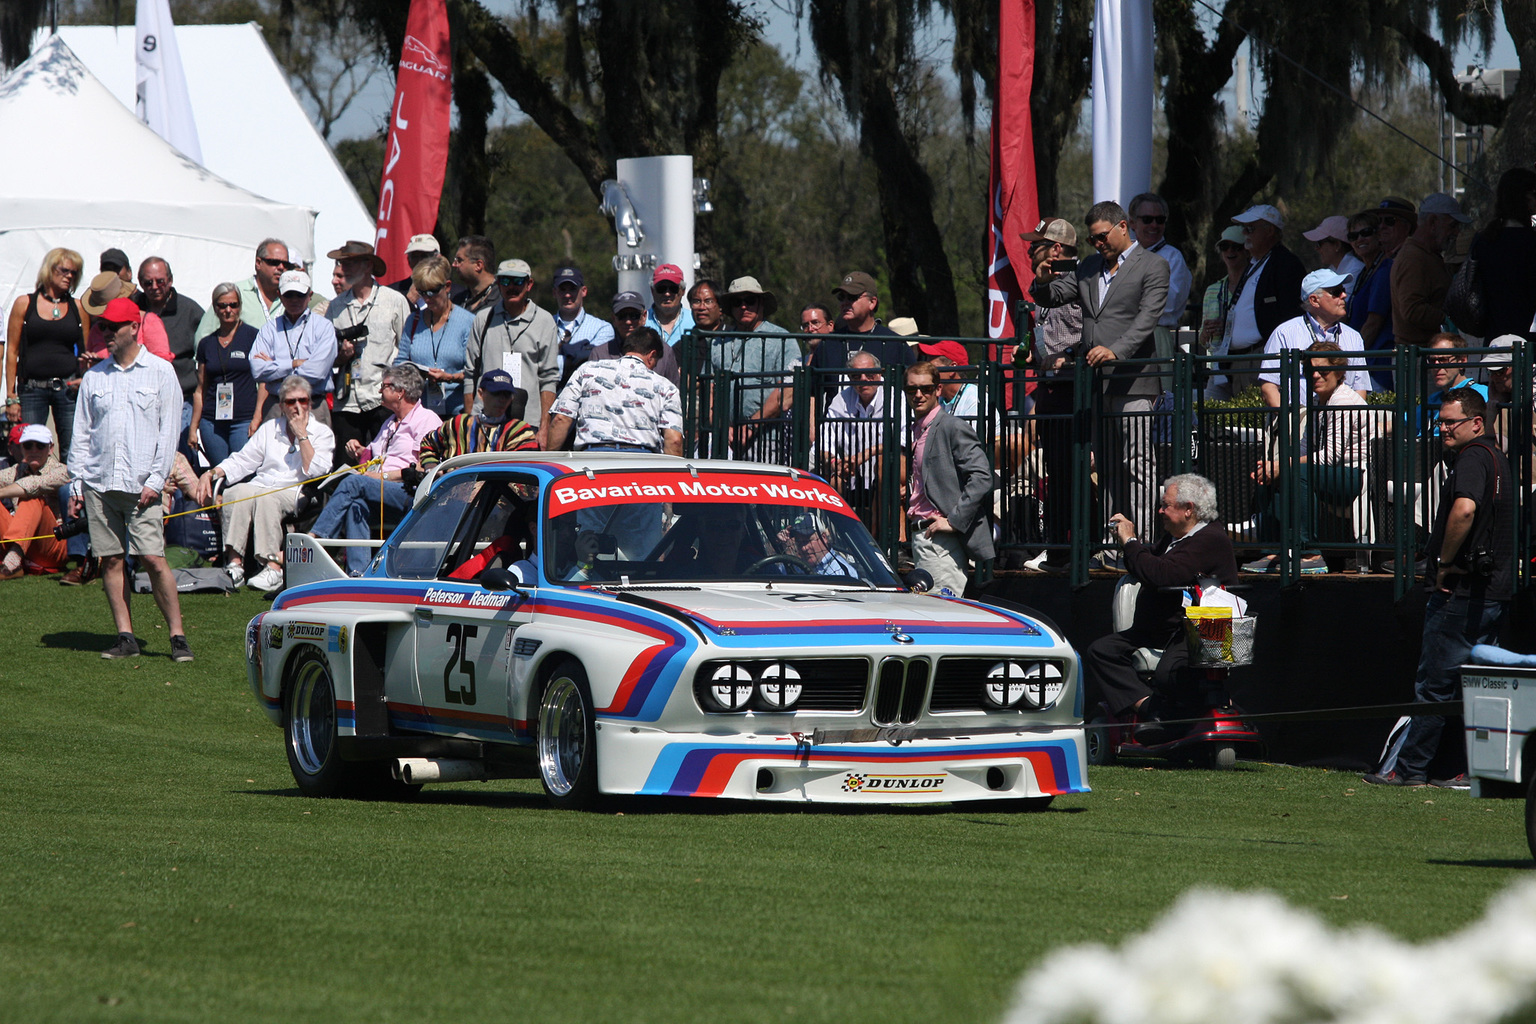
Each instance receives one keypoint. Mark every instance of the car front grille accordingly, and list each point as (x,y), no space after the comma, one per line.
(902,687)
(828,684)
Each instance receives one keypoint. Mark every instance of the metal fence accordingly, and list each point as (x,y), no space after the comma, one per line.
(1357,483)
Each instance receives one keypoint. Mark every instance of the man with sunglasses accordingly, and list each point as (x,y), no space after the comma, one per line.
(580,332)
(282,453)
(520,338)
(124,448)
(1265,297)
(1470,579)
(260,297)
(950,488)
(1321,319)
(767,360)
(1370,298)
(1419,275)
(1123,291)
(669,316)
(1149,220)
(30,509)
(382,313)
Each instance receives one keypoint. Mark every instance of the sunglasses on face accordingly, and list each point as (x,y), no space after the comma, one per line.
(666,288)
(35,446)
(920,389)
(511,282)
(1337,291)
(1362,233)
(1153,220)
(744,302)
(295,401)
(432,293)
(811,325)
(1101,237)
(278,264)
(67,271)
(629,314)
(109,329)
(226,305)
(1230,249)
(1389,222)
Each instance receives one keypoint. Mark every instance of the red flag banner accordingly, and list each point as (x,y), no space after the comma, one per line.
(1015,206)
(416,155)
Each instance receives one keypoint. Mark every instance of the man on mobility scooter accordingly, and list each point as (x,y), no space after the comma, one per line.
(1192,549)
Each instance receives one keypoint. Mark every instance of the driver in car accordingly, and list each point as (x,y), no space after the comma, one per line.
(1193,545)
(807,539)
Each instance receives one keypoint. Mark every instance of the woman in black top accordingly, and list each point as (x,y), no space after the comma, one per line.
(225,400)
(47,332)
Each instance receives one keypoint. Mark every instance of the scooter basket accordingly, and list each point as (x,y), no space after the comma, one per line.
(1217,638)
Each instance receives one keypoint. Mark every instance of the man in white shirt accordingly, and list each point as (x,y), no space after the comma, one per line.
(283,452)
(851,432)
(298,341)
(1149,221)
(124,445)
(381,313)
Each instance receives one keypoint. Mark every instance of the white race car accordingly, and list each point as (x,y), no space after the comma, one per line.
(633,624)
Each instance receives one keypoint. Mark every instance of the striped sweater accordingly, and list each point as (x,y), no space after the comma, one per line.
(463,433)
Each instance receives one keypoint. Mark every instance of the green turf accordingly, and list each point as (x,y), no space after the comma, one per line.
(159,866)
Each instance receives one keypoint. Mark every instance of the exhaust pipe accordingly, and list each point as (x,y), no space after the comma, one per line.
(413,771)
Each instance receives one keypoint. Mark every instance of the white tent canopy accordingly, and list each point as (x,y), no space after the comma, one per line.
(252,129)
(92,176)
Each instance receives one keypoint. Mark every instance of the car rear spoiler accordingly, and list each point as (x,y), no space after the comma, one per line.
(305,561)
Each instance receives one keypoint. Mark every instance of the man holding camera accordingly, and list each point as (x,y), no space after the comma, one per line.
(368,321)
(1470,578)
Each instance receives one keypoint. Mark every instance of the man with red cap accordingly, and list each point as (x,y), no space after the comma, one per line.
(956,395)
(669,315)
(124,447)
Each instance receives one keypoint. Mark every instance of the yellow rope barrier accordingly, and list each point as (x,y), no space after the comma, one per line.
(252,497)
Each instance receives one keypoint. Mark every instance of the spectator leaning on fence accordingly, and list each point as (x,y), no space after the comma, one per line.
(851,432)
(1447,366)
(1122,290)
(1321,319)
(282,453)
(126,427)
(766,359)
(1470,577)
(950,489)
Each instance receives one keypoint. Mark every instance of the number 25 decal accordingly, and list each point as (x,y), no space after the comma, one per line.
(459,635)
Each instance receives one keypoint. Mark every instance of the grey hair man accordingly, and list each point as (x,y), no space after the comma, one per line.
(1149,220)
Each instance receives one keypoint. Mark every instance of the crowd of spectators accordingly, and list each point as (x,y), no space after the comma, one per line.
(278,385)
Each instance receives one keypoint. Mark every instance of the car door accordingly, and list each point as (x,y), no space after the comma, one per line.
(464,630)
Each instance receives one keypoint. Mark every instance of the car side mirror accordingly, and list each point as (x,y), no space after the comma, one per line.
(919,581)
(500,579)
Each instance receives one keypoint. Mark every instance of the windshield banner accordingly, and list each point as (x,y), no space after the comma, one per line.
(620,488)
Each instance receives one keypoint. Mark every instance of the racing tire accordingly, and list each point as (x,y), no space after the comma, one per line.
(1101,747)
(311,738)
(567,739)
(1530,812)
(1224,757)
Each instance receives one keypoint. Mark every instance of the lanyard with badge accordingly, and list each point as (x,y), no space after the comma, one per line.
(224,389)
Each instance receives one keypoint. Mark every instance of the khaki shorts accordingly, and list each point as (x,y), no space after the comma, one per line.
(112,515)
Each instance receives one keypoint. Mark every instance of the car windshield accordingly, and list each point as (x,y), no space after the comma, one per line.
(682,526)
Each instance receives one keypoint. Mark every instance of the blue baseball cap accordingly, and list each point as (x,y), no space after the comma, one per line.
(497,382)
(1324,278)
(569,274)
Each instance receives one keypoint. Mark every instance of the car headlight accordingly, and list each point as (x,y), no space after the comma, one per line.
(779,687)
(1043,683)
(1005,685)
(730,688)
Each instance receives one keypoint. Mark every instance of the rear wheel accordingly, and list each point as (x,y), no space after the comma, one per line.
(568,739)
(1224,757)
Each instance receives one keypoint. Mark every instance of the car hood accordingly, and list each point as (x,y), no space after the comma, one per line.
(808,611)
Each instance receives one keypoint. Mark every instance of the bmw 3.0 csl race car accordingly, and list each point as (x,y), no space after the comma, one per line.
(633,624)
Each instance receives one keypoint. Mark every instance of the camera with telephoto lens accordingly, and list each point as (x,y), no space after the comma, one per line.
(73,528)
(357,332)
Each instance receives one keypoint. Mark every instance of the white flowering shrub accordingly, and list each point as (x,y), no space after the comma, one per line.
(1249,958)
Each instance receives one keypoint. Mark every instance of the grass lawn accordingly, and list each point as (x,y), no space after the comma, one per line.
(160,866)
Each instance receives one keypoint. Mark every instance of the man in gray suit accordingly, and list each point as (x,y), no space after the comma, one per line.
(1122,289)
(950,490)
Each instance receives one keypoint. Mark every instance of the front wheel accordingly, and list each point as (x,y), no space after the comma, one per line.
(1100,741)
(567,742)
(309,727)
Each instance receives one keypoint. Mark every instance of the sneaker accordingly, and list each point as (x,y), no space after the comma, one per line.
(1314,565)
(126,647)
(1110,560)
(1269,563)
(180,650)
(1457,782)
(236,572)
(1393,779)
(266,581)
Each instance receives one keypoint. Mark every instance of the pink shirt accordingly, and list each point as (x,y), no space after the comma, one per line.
(918,505)
(400,440)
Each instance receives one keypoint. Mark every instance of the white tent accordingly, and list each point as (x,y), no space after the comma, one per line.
(252,129)
(85,173)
